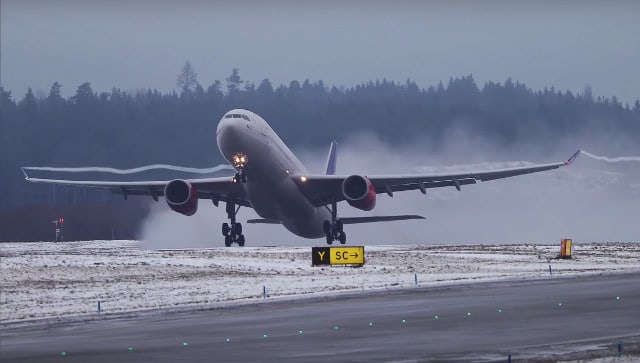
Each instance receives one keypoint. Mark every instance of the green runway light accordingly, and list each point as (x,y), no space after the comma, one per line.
(468,314)
(404,321)
(335,327)
(185,344)
(499,310)
(617,297)
(559,304)
(63,354)
(264,335)
(436,317)
(228,340)
(300,331)
(130,348)
(370,323)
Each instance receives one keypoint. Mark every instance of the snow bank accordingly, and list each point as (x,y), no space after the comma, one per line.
(47,279)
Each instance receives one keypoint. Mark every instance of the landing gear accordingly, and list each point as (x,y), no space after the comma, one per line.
(334,229)
(240,177)
(232,232)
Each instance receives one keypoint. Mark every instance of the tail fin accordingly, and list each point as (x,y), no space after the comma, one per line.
(332,158)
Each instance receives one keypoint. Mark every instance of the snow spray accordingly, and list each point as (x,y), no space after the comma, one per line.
(611,160)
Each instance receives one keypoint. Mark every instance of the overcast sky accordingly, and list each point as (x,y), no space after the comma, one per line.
(143,44)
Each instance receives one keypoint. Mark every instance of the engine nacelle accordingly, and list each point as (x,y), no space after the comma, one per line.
(359,192)
(181,197)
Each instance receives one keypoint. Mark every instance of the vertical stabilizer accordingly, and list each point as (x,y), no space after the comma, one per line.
(332,158)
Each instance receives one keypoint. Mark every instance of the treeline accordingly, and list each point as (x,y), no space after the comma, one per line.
(128,129)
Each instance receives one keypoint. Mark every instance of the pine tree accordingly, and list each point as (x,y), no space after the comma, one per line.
(187,79)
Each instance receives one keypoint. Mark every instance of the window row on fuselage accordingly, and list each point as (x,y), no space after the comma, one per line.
(237,115)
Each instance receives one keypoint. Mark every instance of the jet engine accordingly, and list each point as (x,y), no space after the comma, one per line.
(359,192)
(181,197)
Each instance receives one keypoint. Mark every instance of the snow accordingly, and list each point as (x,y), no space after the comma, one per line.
(42,280)
(623,359)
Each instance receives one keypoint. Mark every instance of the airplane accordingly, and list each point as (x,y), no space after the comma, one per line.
(270,179)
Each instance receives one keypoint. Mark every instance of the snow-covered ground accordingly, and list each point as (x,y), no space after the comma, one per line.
(46,279)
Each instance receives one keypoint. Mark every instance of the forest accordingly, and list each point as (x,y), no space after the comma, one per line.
(126,129)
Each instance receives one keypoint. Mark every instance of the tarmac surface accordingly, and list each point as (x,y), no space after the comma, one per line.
(470,322)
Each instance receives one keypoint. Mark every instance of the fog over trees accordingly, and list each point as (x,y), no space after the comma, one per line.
(125,129)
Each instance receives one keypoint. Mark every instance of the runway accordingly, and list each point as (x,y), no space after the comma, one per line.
(471,322)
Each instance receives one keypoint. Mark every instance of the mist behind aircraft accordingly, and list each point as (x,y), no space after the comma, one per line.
(589,201)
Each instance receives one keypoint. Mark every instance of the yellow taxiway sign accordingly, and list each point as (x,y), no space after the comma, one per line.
(352,255)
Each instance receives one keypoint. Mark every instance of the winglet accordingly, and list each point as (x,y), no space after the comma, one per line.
(332,158)
(572,158)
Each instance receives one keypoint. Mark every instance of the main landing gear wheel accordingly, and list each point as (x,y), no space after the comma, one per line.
(334,229)
(232,232)
(334,232)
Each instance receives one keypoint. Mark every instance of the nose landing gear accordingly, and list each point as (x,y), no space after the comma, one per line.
(232,232)
(240,177)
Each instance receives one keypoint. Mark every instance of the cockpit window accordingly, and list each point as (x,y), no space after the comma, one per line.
(237,115)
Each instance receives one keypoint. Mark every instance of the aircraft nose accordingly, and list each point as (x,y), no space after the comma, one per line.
(228,131)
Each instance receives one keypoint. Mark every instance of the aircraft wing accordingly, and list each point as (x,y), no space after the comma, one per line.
(216,189)
(323,189)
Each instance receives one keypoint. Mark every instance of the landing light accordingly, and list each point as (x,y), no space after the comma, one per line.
(303,179)
(239,160)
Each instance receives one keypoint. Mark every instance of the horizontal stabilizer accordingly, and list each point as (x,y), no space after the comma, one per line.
(356,220)
(350,220)
(263,221)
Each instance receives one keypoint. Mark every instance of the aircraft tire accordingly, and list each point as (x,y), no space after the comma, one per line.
(225,229)
(240,240)
(342,238)
(237,228)
(326,226)
(228,240)
(339,226)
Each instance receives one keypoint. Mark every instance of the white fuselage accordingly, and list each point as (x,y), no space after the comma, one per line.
(269,187)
